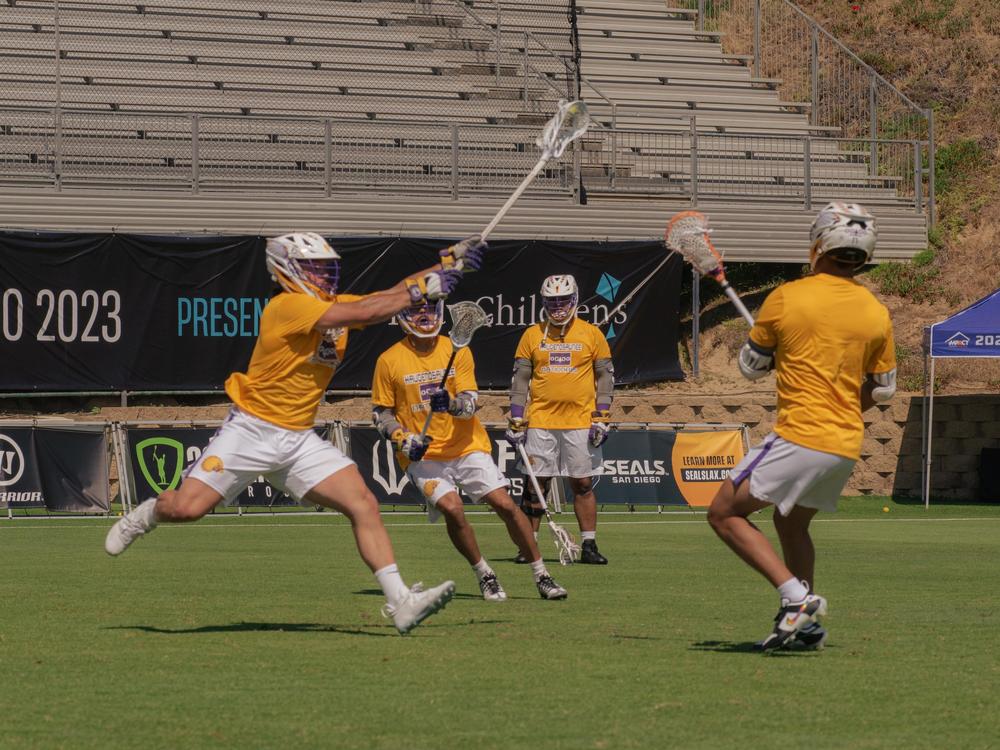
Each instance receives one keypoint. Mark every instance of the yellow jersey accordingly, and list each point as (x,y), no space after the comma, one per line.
(292,362)
(404,381)
(563,388)
(828,333)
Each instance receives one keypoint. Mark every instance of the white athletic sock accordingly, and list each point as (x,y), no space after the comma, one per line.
(538,568)
(145,514)
(482,568)
(793,590)
(585,535)
(392,583)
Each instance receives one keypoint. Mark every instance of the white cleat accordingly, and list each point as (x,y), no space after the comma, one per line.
(491,588)
(418,605)
(549,589)
(125,531)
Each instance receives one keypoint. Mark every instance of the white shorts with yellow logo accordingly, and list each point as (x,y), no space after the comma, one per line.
(245,448)
(563,453)
(475,474)
(785,475)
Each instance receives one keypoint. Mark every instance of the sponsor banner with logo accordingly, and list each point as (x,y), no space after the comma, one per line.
(161,456)
(57,469)
(655,467)
(377,463)
(120,312)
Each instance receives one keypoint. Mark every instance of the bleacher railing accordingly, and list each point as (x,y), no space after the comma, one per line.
(784,42)
(72,149)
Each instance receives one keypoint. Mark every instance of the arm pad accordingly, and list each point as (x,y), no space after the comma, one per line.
(604,372)
(885,385)
(519,383)
(755,362)
(385,421)
(464,405)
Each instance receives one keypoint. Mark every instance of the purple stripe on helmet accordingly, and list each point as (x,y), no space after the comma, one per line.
(753,464)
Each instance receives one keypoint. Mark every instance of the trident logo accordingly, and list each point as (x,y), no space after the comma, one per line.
(393,484)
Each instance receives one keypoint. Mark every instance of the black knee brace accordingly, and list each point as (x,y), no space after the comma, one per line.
(528,507)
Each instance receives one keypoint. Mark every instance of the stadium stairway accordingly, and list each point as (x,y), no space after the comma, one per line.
(394,76)
(746,232)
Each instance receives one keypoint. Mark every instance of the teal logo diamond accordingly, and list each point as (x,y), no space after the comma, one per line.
(608,287)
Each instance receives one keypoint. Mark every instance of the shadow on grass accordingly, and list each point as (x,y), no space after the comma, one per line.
(259,627)
(748,647)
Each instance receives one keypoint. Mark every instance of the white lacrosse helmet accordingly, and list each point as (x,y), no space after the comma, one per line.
(304,262)
(560,296)
(423,320)
(846,229)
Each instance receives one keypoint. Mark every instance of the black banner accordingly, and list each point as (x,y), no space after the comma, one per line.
(159,456)
(54,468)
(658,467)
(377,463)
(118,312)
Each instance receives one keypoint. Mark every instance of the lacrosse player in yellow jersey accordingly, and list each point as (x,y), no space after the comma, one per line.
(303,335)
(455,453)
(565,364)
(831,344)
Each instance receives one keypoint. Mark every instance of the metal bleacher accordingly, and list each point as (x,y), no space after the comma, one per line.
(194,115)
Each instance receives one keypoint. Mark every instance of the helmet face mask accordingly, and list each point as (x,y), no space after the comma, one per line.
(560,297)
(423,320)
(845,231)
(304,263)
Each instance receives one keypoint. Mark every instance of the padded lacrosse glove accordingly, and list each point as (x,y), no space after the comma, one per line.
(516,430)
(599,427)
(433,286)
(440,400)
(410,444)
(466,255)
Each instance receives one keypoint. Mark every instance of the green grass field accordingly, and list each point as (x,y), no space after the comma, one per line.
(265,632)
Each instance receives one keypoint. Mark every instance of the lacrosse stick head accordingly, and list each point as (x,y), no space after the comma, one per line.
(570,121)
(569,550)
(688,233)
(466,319)
(423,320)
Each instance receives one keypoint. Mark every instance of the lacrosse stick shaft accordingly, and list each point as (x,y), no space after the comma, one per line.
(638,287)
(444,379)
(737,302)
(567,547)
(514,196)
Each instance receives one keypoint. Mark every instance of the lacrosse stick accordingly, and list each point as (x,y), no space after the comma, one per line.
(688,234)
(570,121)
(466,319)
(569,550)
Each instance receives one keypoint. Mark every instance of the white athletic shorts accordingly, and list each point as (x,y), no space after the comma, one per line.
(475,473)
(246,447)
(785,475)
(563,453)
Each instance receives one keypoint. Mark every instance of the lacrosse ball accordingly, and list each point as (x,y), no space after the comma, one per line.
(885,508)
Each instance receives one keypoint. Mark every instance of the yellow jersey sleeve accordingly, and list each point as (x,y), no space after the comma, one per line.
(298,313)
(465,371)
(601,348)
(526,346)
(883,356)
(383,385)
(765,330)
